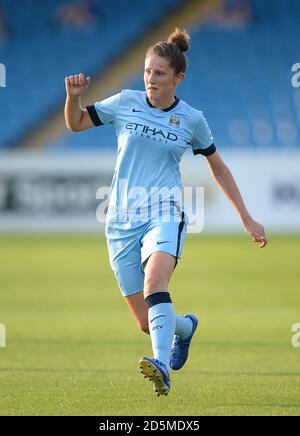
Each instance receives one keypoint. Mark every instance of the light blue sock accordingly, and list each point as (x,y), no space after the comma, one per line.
(183,326)
(161,319)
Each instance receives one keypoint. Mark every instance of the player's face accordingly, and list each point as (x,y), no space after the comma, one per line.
(160,79)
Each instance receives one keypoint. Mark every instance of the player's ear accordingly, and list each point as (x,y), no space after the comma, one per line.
(179,78)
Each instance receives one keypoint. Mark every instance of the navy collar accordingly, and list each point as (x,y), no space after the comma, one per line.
(177,100)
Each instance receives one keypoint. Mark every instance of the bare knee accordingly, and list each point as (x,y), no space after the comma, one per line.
(154,283)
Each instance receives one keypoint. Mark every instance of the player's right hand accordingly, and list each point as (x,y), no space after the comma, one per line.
(77,85)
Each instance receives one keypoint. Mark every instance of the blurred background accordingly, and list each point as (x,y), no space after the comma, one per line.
(72,346)
(243,74)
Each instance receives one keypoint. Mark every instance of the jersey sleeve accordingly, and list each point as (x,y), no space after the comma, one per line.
(203,142)
(105,111)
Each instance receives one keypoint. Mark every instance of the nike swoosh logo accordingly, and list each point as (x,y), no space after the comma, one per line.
(158,316)
(135,110)
(161,242)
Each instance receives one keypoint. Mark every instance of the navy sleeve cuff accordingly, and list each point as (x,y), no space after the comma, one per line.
(206,151)
(94,116)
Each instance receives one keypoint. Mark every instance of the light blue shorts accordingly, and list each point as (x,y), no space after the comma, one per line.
(130,248)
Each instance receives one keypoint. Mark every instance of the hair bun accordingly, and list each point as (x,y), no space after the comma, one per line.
(181,38)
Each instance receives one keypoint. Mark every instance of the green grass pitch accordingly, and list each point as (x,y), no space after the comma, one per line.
(73,348)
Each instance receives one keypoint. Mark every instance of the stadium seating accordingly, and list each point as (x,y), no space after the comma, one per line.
(240,78)
(42,52)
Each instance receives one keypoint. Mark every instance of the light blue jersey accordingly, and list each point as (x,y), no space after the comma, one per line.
(146,185)
(151,143)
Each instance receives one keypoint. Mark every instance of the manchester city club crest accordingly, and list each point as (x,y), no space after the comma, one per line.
(174,121)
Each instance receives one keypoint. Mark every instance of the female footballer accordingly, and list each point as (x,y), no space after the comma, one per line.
(145,232)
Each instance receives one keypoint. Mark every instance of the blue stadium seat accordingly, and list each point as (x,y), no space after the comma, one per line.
(240,79)
(41,53)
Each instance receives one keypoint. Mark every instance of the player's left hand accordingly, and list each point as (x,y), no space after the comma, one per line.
(257,232)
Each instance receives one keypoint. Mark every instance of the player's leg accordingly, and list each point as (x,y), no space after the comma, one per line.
(125,260)
(161,314)
(162,324)
(139,310)
(161,319)
(162,246)
(158,271)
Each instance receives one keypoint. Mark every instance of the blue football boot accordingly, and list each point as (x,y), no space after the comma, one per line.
(180,347)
